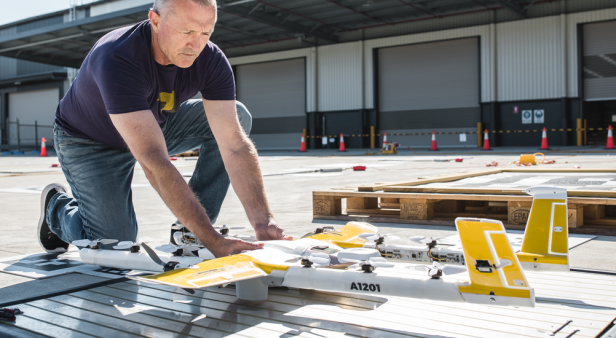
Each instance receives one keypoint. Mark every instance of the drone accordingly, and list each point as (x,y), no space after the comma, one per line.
(356,259)
(313,264)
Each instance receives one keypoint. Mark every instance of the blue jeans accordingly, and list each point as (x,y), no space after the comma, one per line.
(100,177)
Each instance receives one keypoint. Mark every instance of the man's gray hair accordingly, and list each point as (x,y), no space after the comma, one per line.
(160,4)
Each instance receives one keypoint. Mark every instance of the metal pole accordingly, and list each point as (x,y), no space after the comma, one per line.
(579,131)
(479,138)
(36,146)
(324,140)
(18,140)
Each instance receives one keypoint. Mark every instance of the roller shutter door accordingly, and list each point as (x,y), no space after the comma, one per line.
(275,95)
(31,106)
(430,86)
(599,70)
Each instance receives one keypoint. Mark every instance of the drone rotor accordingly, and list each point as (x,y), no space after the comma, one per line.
(436,270)
(93,244)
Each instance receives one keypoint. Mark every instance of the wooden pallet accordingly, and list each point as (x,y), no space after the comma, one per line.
(188,154)
(589,211)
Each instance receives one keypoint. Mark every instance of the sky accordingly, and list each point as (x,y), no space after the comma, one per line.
(13,10)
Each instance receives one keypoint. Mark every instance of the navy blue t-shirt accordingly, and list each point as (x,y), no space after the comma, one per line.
(119,76)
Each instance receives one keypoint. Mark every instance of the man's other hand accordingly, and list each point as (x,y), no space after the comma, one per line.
(225,246)
(271,231)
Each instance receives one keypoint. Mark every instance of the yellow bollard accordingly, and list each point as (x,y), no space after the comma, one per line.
(579,131)
(372,141)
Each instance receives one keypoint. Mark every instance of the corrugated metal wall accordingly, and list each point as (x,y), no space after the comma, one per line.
(529,59)
(529,56)
(340,77)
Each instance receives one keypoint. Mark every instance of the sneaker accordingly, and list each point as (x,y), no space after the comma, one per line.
(47,239)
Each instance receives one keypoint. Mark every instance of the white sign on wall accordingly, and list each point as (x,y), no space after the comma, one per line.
(463,137)
(527,116)
(539,116)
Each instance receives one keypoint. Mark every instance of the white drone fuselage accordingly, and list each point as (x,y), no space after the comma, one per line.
(131,260)
(395,281)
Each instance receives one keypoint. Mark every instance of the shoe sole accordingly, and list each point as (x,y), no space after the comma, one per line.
(42,217)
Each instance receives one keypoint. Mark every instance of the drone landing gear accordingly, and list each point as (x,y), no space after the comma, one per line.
(251,289)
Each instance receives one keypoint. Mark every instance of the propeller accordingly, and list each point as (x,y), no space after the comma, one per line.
(96,244)
(435,271)
(369,264)
(422,239)
(319,258)
(428,240)
(376,237)
(177,226)
(171,265)
(231,228)
(170,248)
(378,262)
(365,235)
(134,247)
(224,230)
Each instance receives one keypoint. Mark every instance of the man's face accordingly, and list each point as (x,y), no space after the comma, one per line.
(182,30)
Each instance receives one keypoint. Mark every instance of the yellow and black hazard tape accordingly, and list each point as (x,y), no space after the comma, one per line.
(462,132)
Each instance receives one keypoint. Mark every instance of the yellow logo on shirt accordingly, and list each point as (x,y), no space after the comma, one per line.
(169,100)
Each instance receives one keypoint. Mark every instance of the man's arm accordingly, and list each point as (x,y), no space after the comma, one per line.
(241,162)
(145,140)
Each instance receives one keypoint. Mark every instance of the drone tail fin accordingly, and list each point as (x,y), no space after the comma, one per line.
(545,246)
(494,269)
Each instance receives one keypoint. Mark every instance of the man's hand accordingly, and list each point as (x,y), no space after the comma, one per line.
(225,246)
(271,231)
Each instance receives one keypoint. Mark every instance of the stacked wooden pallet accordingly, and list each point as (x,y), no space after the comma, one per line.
(590,211)
(189,153)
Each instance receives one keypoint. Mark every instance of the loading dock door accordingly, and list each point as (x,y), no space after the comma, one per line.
(599,70)
(28,107)
(429,86)
(275,95)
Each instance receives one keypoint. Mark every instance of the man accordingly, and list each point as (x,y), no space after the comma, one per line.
(124,107)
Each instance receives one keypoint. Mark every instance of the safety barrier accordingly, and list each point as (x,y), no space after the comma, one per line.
(581,133)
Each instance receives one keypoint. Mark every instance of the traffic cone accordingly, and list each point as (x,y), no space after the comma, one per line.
(544,140)
(302,146)
(433,146)
(43,148)
(486,141)
(384,140)
(610,139)
(342,147)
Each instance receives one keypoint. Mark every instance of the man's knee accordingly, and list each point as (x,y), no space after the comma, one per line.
(244,117)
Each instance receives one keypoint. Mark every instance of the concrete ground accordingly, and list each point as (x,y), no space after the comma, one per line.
(289,196)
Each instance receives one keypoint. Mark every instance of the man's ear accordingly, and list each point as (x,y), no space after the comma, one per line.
(154,20)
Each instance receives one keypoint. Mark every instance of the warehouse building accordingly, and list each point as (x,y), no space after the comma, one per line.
(343,66)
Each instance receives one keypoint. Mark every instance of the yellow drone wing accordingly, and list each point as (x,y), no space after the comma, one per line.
(495,271)
(347,236)
(211,273)
(545,246)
